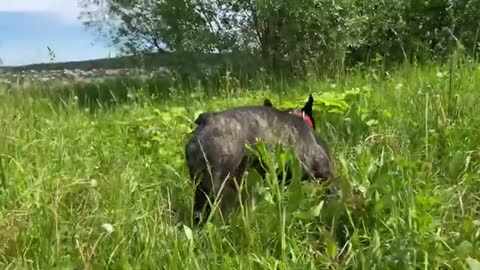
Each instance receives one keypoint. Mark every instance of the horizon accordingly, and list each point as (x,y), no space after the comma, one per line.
(28,28)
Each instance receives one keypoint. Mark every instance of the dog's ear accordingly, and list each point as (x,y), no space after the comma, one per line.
(267,103)
(308,109)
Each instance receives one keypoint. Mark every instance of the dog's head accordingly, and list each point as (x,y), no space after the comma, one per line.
(306,113)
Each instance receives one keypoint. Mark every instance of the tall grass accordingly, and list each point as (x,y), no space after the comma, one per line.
(108,188)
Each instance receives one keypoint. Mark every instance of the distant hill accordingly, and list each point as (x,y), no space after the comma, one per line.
(145,61)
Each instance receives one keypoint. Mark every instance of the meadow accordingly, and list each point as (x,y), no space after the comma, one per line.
(107,188)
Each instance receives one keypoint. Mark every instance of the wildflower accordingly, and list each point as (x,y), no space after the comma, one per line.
(108,228)
(93,183)
(440,74)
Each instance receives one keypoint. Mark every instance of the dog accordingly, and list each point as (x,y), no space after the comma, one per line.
(217,153)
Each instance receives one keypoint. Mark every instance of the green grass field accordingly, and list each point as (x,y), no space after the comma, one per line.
(109,189)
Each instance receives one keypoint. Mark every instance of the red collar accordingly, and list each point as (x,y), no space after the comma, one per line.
(305,117)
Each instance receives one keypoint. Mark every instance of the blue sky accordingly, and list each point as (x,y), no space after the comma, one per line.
(27,27)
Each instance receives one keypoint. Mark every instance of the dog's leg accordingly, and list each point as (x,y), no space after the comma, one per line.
(226,190)
(228,197)
(201,203)
(206,193)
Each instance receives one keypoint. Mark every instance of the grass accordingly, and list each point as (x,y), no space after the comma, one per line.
(108,189)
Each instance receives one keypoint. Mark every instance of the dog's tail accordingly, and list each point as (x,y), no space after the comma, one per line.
(203,118)
(267,103)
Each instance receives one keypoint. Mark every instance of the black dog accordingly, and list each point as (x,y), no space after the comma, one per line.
(217,154)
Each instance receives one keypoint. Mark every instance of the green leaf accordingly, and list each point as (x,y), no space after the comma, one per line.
(332,247)
(473,264)
(178,110)
(464,249)
(254,178)
(188,232)
(197,114)
(283,158)
(166,117)
(387,114)
(456,164)
(303,215)
(157,139)
(269,198)
(315,211)
(335,110)
(334,100)
(372,122)
(352,92)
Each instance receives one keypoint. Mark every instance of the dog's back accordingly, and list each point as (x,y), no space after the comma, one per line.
(225,133)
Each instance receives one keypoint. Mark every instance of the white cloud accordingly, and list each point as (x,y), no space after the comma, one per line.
(68,10)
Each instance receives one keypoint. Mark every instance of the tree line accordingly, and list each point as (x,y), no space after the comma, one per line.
(291,34)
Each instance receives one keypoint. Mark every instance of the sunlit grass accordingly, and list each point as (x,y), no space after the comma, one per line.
(109,189)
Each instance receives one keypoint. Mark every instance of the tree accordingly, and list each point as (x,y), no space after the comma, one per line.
(155,25)
(288,34)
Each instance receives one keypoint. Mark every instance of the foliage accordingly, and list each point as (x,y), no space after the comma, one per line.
(293,36)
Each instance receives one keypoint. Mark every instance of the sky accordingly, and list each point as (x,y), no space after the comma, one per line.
(27,27)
